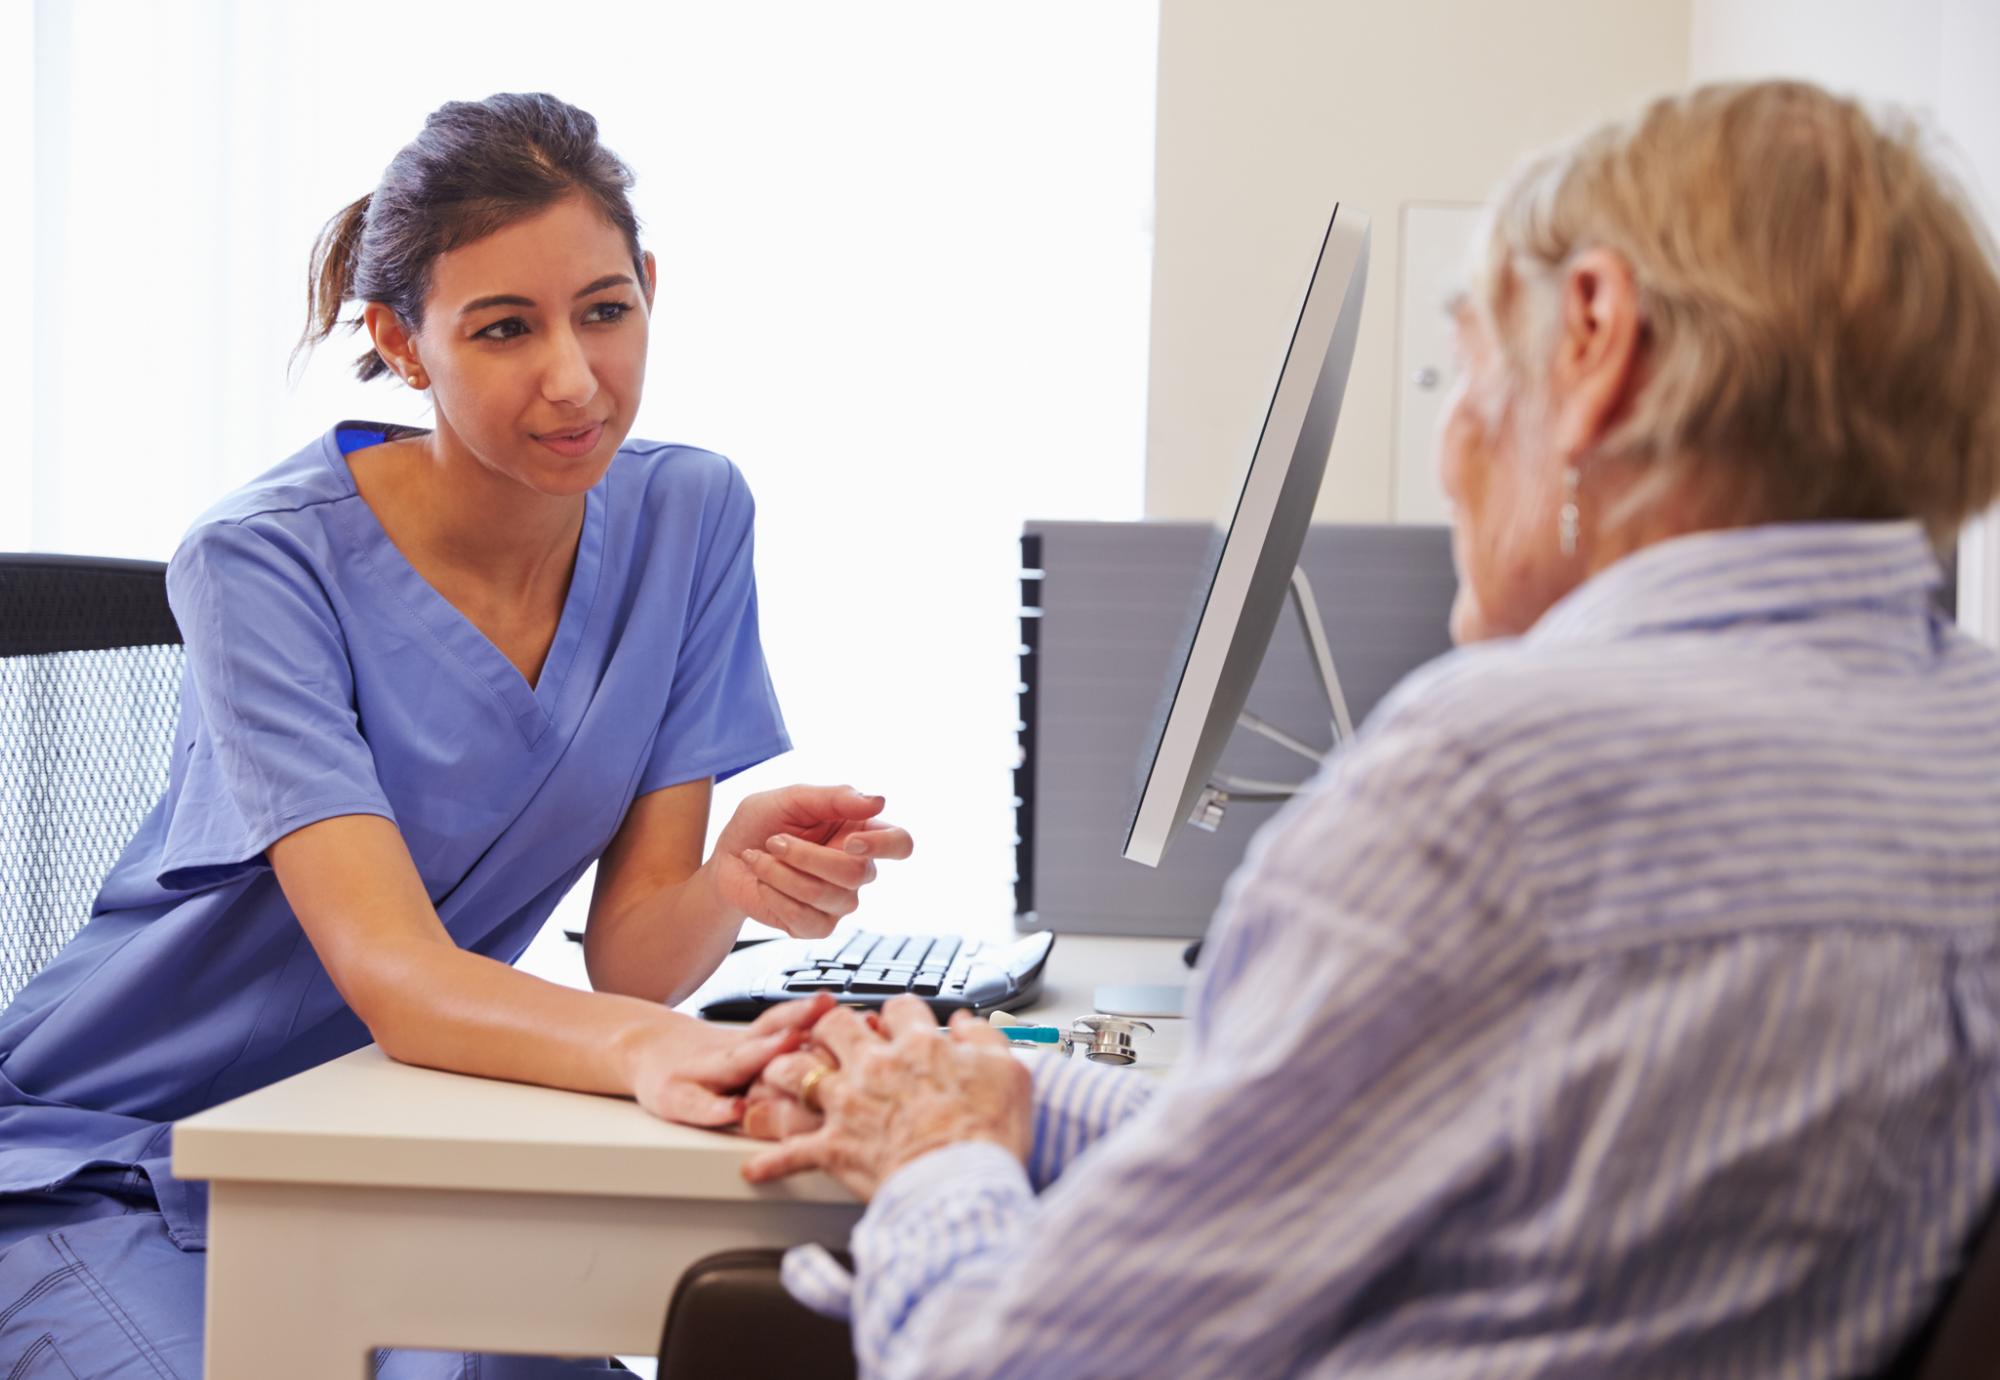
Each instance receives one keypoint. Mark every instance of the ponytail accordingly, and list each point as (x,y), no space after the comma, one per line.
(330,284)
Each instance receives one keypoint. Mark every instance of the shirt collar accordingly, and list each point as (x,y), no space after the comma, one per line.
(1709,579)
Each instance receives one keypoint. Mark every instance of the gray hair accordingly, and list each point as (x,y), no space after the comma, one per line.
(1820,314)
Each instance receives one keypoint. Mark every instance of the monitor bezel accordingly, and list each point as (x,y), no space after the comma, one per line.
(1252,572)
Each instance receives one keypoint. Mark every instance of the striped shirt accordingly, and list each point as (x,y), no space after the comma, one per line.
(1625,1001)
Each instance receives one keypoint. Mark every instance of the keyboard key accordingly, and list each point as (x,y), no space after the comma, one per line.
(913,949)
(879,980)
(821,980)
(826,952)
(927,984)
(883,950)
(942,952)
(856,950)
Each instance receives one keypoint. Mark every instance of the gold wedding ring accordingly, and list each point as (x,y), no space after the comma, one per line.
(809,1089)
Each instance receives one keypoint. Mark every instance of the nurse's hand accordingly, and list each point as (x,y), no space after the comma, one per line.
(695,1072)
(797,858)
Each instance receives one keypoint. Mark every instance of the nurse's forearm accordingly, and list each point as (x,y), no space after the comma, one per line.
(449,1009)
(360,901)
(664,945)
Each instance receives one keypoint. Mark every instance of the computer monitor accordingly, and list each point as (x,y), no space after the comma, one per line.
(1249,574)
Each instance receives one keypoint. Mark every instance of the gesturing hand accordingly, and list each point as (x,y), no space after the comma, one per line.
(798,857)
(899,1095)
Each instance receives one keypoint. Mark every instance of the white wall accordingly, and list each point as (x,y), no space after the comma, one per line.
(1885,52)
(1938,57)
(1271,110)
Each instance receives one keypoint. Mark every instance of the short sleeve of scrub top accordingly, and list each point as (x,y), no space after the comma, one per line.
(273,740)
(720,669)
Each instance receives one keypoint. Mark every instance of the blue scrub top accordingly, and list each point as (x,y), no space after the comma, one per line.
(325,677)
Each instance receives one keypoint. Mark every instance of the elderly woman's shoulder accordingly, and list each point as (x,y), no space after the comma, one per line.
(1492,694)
(1471,683)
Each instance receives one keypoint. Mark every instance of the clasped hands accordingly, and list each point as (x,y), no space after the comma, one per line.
(887,1090)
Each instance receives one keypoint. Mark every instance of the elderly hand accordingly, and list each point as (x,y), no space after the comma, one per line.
(898,1093)
(798,857)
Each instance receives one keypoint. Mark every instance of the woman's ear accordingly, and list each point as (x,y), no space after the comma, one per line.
(1596,364)
(652,266)
(392,340)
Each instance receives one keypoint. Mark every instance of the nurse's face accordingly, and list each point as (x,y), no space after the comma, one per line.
(534,339)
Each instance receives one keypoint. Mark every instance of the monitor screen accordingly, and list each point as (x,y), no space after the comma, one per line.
(1250,570)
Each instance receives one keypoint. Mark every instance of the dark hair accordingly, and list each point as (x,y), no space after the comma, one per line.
(478,166)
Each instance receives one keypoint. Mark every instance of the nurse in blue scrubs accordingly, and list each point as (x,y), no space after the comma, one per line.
(432,676)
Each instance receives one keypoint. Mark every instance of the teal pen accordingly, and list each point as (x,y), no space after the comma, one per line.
(1032,1034)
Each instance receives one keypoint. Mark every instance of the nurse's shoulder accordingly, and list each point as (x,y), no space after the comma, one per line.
(669,498)
(269,534)
(299,483)
(661,475)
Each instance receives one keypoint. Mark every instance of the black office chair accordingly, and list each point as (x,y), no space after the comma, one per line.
(1962,1340)
(731,1317)
(90,673)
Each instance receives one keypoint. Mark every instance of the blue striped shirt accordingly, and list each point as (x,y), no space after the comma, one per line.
(1625,1001)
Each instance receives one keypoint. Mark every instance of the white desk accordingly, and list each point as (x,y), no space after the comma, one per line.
(368,1203)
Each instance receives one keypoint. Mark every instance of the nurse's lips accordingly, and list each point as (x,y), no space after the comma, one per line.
(574,442)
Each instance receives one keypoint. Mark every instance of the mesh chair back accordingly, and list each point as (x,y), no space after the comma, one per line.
(90,674)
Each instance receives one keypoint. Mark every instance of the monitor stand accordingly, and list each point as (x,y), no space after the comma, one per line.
(1222,788)
(1169,999)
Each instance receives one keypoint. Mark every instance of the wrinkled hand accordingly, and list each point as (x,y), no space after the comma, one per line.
(798,857)
(899,1093)
(694,1072)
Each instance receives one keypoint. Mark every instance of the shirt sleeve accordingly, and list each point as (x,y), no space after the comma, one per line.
(270,740)
(722,713)
(1077,1104)
(1357,1028)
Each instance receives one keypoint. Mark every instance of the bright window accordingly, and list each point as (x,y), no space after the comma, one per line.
(905,254)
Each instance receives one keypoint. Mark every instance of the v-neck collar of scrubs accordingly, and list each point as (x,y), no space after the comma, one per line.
(535,708)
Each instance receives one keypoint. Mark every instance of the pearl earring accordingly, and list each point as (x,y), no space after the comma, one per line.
(1568,518)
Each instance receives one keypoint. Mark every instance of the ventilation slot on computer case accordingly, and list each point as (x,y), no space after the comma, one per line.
(1024,728)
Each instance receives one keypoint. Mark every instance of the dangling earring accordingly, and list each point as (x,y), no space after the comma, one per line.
(1567,520)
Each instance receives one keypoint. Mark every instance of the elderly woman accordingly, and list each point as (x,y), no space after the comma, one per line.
(1626,1000)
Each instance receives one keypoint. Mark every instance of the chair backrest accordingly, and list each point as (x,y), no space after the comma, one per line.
(90,674)
(1963,1339)
(730,1316)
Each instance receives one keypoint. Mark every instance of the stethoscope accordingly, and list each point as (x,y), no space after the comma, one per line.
(1103,1039)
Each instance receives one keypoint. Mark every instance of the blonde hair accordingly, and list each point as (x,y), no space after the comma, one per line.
(1819,309)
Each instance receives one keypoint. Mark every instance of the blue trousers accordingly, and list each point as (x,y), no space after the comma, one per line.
(91,1288)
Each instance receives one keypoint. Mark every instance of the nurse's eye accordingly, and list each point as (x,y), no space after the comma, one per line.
(615,311)
(505,329)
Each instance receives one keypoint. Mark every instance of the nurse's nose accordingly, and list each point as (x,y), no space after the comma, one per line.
(567,376)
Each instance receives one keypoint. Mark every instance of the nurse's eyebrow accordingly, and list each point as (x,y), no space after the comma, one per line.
(509,300)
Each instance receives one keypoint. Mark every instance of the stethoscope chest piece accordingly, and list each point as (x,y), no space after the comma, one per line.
(1108,1039)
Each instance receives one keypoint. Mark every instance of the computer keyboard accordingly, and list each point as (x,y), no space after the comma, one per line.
(864,969)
